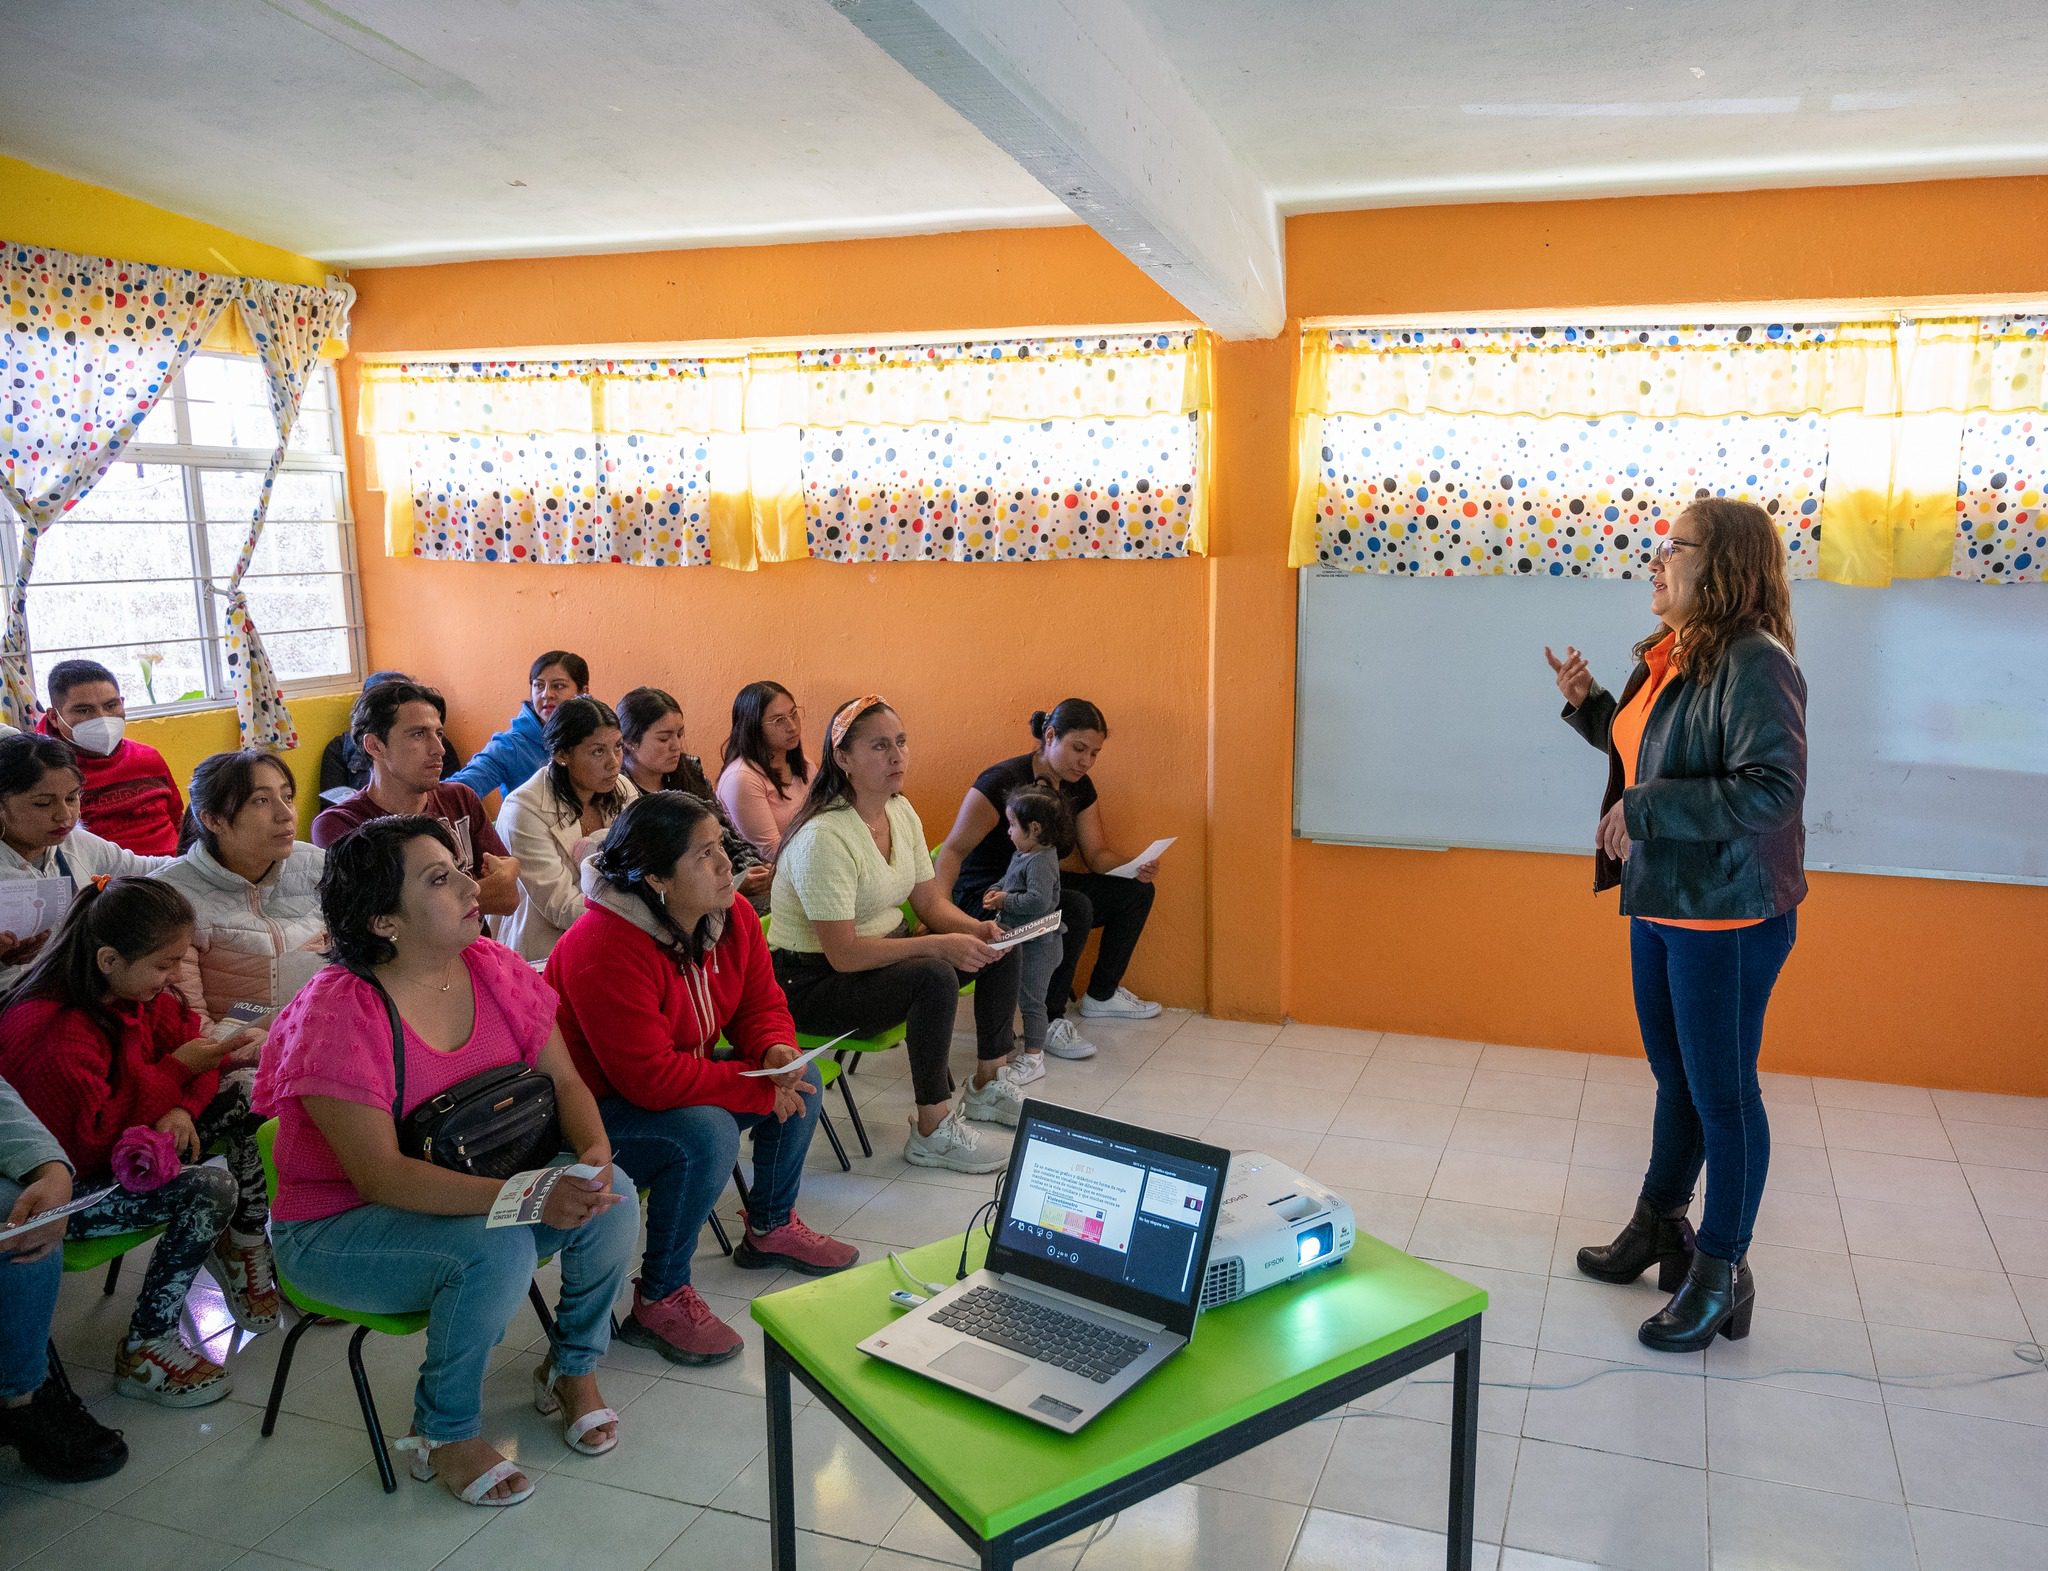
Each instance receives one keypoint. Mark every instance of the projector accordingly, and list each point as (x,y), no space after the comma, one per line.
(1275,1225)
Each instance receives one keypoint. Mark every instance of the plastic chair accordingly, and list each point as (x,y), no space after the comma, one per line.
(312,1312)
(86,1254)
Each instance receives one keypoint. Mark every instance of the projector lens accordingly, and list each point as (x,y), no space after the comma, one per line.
(1313,1244)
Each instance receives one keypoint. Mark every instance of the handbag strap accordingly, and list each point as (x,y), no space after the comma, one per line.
(397,1047)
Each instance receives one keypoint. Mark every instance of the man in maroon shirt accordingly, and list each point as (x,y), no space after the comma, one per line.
(130,797)
(398,724)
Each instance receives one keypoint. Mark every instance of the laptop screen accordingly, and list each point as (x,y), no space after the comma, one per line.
(1109,1211)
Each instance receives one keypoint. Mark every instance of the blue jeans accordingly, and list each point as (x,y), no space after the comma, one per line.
(472,1280)
(1700,999)
(684,1156)
(28,1298)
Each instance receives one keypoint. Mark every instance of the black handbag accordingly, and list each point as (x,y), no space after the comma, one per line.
(494,1124)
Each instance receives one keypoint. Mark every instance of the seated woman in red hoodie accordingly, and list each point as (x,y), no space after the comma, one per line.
(662,961)
(97,1042)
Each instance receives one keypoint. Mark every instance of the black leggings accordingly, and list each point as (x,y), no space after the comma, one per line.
(1119,906)
(921,994)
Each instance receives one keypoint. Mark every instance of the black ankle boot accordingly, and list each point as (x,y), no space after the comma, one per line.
(1652,1235)
(1717,1296)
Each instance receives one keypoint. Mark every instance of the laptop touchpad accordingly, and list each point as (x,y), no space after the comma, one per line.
(977,1365)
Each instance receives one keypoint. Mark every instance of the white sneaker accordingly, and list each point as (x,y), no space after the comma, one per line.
(1121,1005)
(996,1101)
(951,1145)
(1023,1067)
(1063,1041)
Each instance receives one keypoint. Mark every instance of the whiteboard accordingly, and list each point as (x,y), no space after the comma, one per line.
(1425,715)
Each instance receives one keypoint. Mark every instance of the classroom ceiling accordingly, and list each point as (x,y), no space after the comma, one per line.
(365,131)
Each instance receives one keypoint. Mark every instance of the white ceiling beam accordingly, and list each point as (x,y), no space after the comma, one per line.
(1080,95)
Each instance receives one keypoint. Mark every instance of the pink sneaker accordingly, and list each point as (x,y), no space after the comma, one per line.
(793,1247)
(680,1327)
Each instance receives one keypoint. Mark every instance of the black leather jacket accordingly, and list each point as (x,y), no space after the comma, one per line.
(1717,811)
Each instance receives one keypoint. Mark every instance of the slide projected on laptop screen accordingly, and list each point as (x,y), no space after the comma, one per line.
(1134,1222)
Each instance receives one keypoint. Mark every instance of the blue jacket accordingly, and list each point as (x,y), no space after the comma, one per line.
(508,759)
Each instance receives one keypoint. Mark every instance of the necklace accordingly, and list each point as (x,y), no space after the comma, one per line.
(448,982)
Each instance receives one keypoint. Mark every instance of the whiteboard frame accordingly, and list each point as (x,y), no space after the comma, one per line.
(1327,837)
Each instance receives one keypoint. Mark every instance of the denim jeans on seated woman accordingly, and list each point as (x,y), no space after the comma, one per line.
(684,1155)
(472,1280)
(28,1298)
(1700,998)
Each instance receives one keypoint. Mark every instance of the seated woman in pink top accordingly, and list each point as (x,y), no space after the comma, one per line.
(764,776)
(364,1227)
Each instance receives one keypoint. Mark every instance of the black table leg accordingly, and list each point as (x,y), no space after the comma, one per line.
(781,1460)
(1464,1448)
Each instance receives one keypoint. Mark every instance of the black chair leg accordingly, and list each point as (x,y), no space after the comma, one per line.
(739,1182)
(113,1276)
(831,1134)
(540,1309)
(846,1067)
(284,1370)
(369,1406)
(718,1232)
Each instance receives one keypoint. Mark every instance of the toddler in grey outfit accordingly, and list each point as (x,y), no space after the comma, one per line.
(1041,829)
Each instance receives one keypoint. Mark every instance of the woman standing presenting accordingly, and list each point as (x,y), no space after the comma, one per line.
(1702,828)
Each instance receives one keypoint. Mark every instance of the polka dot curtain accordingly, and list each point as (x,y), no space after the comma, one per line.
(90,345)
(1884,450)
(289,324)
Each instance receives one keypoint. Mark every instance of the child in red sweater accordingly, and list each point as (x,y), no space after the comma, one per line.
(96,1042)
(663,962)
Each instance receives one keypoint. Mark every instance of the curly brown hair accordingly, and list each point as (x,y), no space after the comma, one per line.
(1741,586)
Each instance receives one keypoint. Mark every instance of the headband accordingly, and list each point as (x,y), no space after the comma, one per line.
(844,717)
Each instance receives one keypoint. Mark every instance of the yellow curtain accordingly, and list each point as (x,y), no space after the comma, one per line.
(751,412)
(1895,396)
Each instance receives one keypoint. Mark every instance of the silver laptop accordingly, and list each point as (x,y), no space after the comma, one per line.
(1094,1275)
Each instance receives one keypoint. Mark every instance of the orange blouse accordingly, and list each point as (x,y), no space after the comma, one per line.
(1627,735)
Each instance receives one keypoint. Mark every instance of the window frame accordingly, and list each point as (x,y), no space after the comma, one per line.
(208,587)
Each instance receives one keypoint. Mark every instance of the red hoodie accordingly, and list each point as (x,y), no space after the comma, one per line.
(641,1020)
(130,796)
(86,1089)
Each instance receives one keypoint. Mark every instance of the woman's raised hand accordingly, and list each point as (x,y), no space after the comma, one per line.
(1573,679)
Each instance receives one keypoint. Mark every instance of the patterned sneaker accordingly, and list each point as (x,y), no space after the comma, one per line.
(165,1371)
(951,1145)
(680,1327)
(1023,1067)
(793,1247)
(1123,1004)
(1063,1041)
(248,1281)
(995,1101)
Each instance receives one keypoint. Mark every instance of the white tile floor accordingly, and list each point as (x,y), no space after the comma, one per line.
(1904,1238)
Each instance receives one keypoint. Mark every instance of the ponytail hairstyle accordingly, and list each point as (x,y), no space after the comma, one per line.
(1042,807)
(131,916)
(640,711)
(572,724)
(646,841)
(831,787)
(1741,585)
(1069,714)
(747,739)
(221,788)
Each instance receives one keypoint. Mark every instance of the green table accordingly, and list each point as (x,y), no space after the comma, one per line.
(1254,1369)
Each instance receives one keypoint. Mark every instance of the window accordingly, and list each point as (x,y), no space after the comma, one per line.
(134,576)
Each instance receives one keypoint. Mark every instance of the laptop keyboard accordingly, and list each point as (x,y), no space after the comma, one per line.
(1036,1331)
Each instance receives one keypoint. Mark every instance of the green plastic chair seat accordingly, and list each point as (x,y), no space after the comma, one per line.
(84,1254)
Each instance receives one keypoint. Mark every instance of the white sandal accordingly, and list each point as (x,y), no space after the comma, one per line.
(477,1491)
(549,1405)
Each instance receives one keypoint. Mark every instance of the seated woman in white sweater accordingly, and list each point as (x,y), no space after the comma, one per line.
(41,787)
(557,818)
(254,886)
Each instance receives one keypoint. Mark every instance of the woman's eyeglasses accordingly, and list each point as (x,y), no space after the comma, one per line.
(1670,546)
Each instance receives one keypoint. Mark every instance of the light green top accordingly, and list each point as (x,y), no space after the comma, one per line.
(999,1470)
(831,870)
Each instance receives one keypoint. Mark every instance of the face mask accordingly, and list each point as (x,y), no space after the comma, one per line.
(99,735)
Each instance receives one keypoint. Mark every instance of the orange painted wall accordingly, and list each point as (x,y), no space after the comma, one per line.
(1893,978)
(1194,661)
(965,652)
